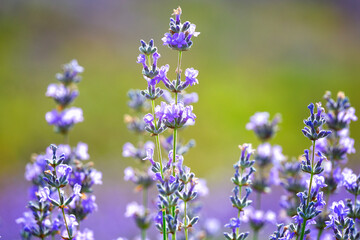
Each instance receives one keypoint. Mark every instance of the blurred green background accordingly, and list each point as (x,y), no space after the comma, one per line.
(270,55)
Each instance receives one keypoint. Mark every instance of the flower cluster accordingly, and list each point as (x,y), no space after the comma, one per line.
(312,199)
(177,185)
(180,34)
(336,147)
(64,94)
(262,126)
(61,169)
(242,178)
(62,179)
(342,225)
(268,158)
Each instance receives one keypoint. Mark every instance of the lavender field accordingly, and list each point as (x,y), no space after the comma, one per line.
(209,120)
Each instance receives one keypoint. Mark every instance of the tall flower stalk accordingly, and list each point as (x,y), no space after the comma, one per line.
(176,184)
(267,160)
(142,176)
(312,199)
(336,147)
(62,167)
(242,178)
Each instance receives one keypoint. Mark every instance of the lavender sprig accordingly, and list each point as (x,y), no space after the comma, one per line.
(336,146)
(242,178)
(312,200)
(174,116)
(64,167)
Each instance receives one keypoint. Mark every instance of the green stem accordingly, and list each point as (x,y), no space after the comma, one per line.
(185,218)
(63,212)
(164,226)
(319,234)
(311,174)
(310,184)
(240,187)
(256,235)
(174,149)
(303,229)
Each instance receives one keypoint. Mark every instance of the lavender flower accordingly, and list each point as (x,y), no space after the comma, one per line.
(137,100)
(85,235)
(129,150)
(64,120)
(243,171)
(81,151)
(179,36)
(267,154)
(178,85)
(62,167)
(343,226)
(314,122)
(262,126)
(61,94)
(191,74)
(70,74)
(176,115)
(340,112)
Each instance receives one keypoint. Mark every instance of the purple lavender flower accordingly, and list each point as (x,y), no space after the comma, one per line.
(134,209)
(262,126)
(267,154)
(179,36)
(258,218)
(162,75)
(150,155)
(233,224)
(350,181)
(142,59)
(129,174)
(339,209)
(44,194)
(314,123)
(340,112)
(177,115)
(70,74)
(77,190)
(339,221)
(95,177)
(89,205)
(61,94)
(63,171)
(137,100)
(32,171)
(129,150)
(339,151)
(81,151)
(64,120)
(191,74)
(27,221)
(62,150)
(85,235)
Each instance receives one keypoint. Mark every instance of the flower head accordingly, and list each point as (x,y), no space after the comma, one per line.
(262,126)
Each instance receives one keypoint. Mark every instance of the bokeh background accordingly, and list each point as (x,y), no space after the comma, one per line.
(269,55)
